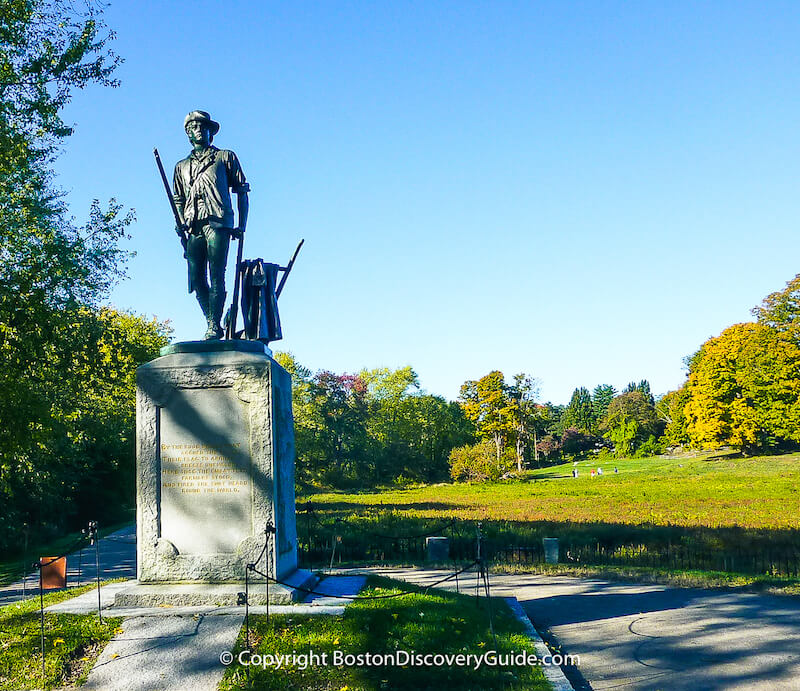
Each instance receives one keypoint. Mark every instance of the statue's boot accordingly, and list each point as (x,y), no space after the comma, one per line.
(202,300)
(216,303)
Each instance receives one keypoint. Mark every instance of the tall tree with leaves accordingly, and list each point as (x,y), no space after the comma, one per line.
(630,421)
(51,270)
(671,410)
(488,406)
(523,394)
(602,396)
(781,310)
(643,387)
(744,388)
(579,414)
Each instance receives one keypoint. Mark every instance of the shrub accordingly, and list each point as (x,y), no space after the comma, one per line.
(575,442)
(549,446)
(652,447)
(478,462)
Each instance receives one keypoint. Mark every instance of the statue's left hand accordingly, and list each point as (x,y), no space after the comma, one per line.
(237,233)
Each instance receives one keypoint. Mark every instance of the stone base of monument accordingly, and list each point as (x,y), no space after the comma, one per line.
(214,476)
(216,594)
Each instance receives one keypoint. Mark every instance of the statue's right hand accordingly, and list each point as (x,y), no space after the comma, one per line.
(180,230)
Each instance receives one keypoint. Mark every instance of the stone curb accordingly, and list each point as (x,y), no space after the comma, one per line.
(553,673)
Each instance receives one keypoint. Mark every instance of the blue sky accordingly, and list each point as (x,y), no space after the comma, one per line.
(582,191)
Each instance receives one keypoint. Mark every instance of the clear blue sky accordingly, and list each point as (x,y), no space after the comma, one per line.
(582,191)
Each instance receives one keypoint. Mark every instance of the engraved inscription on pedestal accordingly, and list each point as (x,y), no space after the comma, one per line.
(215,465)
(206,504)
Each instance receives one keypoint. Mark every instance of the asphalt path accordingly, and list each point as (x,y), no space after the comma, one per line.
(656,638)
(117,558)
(628,636)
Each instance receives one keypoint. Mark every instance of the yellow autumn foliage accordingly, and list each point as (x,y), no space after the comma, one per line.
(744,388)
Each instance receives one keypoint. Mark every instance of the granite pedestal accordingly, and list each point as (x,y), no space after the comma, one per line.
(214,472)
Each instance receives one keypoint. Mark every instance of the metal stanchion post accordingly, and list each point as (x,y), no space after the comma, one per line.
(247,604)
(478,559)
(308,535)
(94,540)
(41,620)
(489,603)
(25,562)
(267,531)
(247,612)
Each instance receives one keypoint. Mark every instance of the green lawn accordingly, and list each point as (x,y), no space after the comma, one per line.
(708,512)
(437,622)
(72,643)
(704,491)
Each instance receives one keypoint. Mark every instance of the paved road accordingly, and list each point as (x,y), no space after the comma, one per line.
(117,560)
(658,638)
(629,636)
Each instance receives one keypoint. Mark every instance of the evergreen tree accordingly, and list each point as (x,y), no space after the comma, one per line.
(643,387)
(602,396)
(579,414)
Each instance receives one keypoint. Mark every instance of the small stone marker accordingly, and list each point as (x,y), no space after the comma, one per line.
(550,550)
(437,548)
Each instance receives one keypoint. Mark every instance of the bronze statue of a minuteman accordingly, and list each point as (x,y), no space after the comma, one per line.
(201,190)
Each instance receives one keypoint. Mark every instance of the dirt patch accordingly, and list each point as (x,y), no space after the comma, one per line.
(80,663)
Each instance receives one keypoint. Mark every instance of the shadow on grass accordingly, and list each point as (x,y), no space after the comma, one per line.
(365,532)
(433,623)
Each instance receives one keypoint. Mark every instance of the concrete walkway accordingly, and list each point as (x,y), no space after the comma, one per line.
(629,636)
(179,648)
(655,638)
(165,653)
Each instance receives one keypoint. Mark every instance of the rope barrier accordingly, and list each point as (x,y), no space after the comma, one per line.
(82,538)
(363,597)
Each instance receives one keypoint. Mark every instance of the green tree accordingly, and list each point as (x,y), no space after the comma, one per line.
(74,446)
(526,415)
(391,420)
(479,462)
(630,421)
(55,437)
(48,49)
(744,388)
(376,427)
(579,414)
(602,396)
(643,387)
(440,426)
(489,407)
(781,310)
(671,410)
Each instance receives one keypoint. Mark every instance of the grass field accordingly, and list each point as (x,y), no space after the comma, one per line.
(437,622)
(704,491)
(72,643)
(690,508)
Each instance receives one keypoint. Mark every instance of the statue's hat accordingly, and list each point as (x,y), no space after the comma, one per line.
(203,117)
